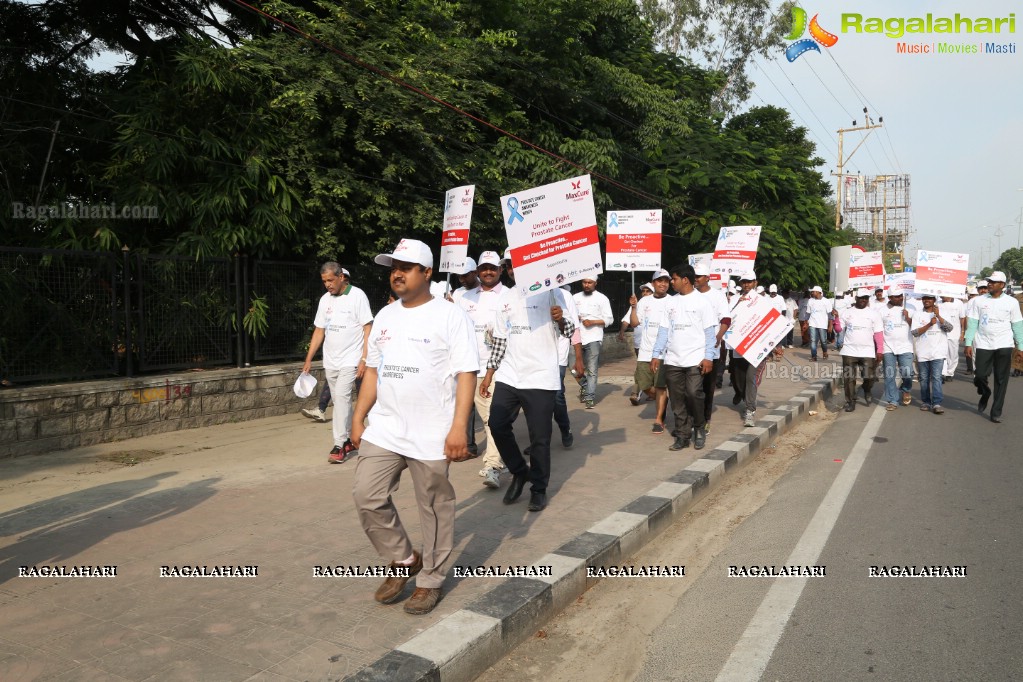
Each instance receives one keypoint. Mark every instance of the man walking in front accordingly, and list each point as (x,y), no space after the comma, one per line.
(422,364)
(898,351)
(686,345)
(594,314)
(341,326)
(994,327)
(863,348)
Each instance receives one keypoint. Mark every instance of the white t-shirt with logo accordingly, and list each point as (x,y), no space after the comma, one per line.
(594,306)
(482,307)
(531,359)
(898,338)
(418,353)
(953,311)
(342,319)
(686,319)
(995,317)
(860,325)
(817,312)
(649,311)
(933,343)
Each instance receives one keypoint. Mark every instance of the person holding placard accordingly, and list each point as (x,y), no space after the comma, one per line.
(931,331)
(898,351)
(863,349)
(745,375)
(994,333)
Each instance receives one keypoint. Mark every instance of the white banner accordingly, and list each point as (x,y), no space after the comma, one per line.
(454,240)
(736,250)
(552,232)
(942,273)
(757,327)
(634,240)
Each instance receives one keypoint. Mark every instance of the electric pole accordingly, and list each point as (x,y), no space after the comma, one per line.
(870,125)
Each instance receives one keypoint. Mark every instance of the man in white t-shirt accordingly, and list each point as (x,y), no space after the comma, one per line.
(420,377)
(467,278)
(746,376)
(898,351)
(524,368)
(594,314)
(341,326)
(953,310)
(723,312)
(879,301)
(778,301)
(645,318)
(843,300)
(994,328)
(645,289)
(685,343)
(863,348)
(818,318)
(931,330)
(482,304)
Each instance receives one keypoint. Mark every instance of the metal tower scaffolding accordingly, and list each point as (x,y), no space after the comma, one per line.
(878,206)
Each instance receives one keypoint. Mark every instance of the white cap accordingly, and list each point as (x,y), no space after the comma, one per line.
(760,289)
(702,270)
(439,288)
(489,258)
(467,267)
(408,251)
(659,274)
(646,285)
(731,285)
(304,385)
(972,291)
(996,276)
(817,289)
(507,255)
(346,273)
(748,276)
(860,293)
(773,289)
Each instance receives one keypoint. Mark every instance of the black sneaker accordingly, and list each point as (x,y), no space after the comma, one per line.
(567,439)
(699,438)
(679,444)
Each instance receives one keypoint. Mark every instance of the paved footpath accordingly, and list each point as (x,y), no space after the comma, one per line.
(260,493)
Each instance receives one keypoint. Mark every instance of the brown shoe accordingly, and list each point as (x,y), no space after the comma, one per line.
(390,590)
(422,600)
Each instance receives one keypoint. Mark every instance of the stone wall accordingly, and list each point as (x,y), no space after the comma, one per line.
(63,416)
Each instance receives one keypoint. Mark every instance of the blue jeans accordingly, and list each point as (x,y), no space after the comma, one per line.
(930,381)
(818,335)
(591,358)
(901,364)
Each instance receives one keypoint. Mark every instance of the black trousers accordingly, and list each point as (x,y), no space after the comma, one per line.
(538,406)
(685,391)
(709,385)
(999,360)
(867,368)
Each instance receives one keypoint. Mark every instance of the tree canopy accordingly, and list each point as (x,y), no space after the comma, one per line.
(248,137)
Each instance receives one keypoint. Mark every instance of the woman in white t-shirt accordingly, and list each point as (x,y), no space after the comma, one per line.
(931,331)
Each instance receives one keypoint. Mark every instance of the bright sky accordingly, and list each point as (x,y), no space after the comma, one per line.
(953,122)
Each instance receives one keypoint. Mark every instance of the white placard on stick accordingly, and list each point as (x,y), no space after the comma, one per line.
(634,241)
(454,240)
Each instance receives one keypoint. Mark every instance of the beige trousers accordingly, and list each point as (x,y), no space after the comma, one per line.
(491,458)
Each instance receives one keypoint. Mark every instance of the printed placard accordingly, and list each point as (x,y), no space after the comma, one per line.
(866,269)
(454,240)
(757,327)
(942,273)
(900,283)
(736,250)
(715,279)
(552,232)
(634,240)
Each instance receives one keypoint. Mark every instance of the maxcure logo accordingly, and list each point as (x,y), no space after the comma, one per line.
(817,35)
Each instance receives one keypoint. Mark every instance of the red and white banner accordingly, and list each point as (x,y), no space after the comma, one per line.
(552,232)
(942,273)
(736,250)
(900,283)
(866,269)
(454,240)
(716,280)
(634,240)
(757,327)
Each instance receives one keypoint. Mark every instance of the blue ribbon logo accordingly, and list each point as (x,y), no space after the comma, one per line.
(614,220)
(513,207)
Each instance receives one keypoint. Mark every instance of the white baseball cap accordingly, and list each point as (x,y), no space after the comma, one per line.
(467,267)
(760,289)
(702,270)
(972,291)
(748,276)
(996,276)
(346,273)
(507,255)
(818,290)
(304,385)
(863,293)
(659,274)
(646,285)
(489,258)
(731,285)
(773,289)
(408,251)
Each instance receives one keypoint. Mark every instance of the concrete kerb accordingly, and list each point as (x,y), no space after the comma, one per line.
(463,645)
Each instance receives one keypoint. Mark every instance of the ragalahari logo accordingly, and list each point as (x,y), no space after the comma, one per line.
(817,35)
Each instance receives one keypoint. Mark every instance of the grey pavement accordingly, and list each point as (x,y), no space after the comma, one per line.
(260,493)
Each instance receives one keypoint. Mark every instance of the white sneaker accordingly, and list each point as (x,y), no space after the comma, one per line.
(750,419)
(315,414)
(492,479)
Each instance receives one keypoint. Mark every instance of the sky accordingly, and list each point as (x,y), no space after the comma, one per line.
(953,122)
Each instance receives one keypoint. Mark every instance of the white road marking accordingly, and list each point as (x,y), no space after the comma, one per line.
(754,649)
